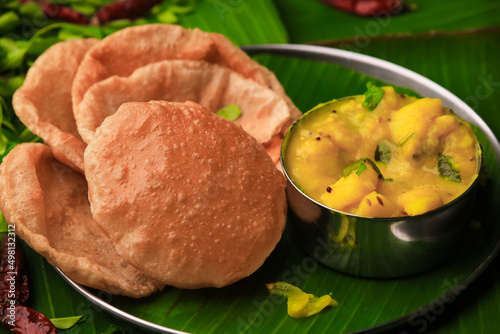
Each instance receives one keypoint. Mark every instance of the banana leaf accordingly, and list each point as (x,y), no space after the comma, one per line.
(243,22)
(314,22)
(466,64)
(246,306)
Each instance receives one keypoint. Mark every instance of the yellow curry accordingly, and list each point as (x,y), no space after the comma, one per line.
(382,154)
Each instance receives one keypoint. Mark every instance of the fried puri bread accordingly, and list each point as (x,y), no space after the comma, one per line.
(264,112)
(121,53)
(48,203)
(43,103)
(186,196)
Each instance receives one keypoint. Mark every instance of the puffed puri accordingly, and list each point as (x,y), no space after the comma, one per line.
(48,204)
(43,102)
(211,85)
(106,68)
(186,196)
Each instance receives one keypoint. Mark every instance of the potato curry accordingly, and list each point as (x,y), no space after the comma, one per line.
(382,154)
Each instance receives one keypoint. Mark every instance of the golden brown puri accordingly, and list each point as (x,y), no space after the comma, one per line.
(43,103)
(48,203)
(186,195)
(121,53)
(264,112)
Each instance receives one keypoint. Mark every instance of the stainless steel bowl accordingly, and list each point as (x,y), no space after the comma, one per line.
(377,247)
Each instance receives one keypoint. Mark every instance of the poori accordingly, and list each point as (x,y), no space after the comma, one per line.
(264,112)
(185,195)
(168,192)
(43,103)
(48,203)
(127,50)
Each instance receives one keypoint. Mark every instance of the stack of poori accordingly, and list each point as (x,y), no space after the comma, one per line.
(141,184)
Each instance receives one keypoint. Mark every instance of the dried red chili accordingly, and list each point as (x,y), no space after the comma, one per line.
(368,7)
(60,12)
(24,320)
(126,9)
(63,13)
(13,273)
(14,292)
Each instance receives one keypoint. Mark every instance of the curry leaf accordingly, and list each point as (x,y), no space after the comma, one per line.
(67,322)
(447,168)
(231,112)
(373,96)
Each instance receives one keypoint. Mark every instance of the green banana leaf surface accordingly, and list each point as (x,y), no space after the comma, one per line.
(462,57)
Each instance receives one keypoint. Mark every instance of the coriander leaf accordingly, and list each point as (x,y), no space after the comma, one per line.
(355,166)
(67,322)
(447,168)
(383,153)
(361,169)
(373,96)
(231,112)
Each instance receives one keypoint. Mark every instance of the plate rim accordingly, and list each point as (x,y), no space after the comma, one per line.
(379,69)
